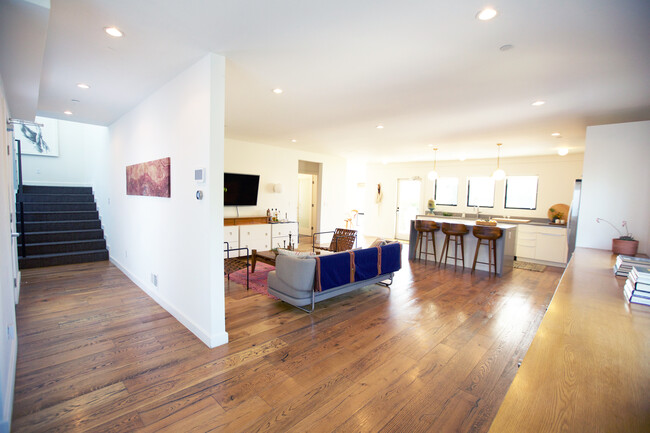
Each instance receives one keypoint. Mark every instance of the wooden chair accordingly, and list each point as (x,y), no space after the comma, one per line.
(426,231)
(489,234)
(456,233)
(236,263)
(342,240)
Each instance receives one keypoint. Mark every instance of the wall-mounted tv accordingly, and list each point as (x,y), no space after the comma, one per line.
(240,189)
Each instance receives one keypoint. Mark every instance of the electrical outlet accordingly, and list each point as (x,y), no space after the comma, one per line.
(154,280)
(126,254)
(10,332)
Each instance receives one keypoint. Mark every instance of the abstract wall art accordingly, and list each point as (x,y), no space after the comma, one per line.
(38,140)
(149,178)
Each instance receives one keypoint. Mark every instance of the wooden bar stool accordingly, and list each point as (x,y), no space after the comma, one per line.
(425,230)
(456,233)
(489,234)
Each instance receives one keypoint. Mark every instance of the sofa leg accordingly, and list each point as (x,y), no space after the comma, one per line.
(313,295)
(381,283)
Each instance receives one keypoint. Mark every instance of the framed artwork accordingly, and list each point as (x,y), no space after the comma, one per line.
(149,178)
(38,140)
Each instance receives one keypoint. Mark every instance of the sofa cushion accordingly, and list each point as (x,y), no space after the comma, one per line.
(391,258)
(366,264)
(296,272)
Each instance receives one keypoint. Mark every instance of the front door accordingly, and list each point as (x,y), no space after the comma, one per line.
(408,206)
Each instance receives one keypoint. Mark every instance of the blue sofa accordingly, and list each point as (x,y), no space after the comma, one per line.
(304,280)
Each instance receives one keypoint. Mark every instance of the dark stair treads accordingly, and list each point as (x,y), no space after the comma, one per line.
(65,247)
(56,198)
(38,189)
(53,226)
(61,225)
(59,207)
(58,216)
(63,236)
(43,260)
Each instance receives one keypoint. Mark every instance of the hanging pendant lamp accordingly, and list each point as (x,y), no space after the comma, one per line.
(433,175)
(499,174)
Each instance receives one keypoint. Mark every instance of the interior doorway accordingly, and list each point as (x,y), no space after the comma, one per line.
(309,197)
(408,206)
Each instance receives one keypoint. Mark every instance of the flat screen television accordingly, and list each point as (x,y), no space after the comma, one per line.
(240,189)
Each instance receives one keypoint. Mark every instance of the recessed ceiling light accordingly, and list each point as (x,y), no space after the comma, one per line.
(556,134)
(293,140)
(506,47)
(430,145)
(83,86)
(113,31)
(67,112)
(277,91)
(562,151)
(462,157)
(74,100)
(538,103)
(380,126)
(486,14)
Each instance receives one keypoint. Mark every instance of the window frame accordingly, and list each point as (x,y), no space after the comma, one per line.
(469,191)
(505,196)
(435,192)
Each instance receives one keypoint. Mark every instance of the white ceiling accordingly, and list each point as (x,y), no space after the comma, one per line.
(427,70)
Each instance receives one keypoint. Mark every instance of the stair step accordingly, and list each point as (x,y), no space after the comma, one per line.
(63,236)
(59,216)
(43,260)
(55,198)
(40,189)
(53,226)
(64,247)
(59,207)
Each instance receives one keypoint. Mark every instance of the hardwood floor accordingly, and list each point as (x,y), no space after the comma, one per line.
(436,352)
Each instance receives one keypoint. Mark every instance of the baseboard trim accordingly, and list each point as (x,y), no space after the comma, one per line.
(201,334)
(8,392)
(51,183)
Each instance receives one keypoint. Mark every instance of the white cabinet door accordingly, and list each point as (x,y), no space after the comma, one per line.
(551,245)
(255,236)
(280,234)
(231,235)
(526,242)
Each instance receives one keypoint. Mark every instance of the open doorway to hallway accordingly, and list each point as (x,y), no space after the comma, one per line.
(309,197)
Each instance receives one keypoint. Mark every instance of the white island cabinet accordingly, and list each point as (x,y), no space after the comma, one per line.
(544,244)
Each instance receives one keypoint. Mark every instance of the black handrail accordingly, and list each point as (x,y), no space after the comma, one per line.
(19,198)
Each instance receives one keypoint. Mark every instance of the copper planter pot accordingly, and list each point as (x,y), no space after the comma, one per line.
(628,248)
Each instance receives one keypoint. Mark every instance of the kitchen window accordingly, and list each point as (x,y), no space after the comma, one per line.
(480,192)
(446,191)
(521,192)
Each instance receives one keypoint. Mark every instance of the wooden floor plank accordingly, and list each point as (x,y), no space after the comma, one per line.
(436,350)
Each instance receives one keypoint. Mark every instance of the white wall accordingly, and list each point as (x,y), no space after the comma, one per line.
(557,176)
(280,165)
(8,342)
(616,184)
(77,144)
(178,238)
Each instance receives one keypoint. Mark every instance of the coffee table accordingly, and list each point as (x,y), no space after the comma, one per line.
(267,257)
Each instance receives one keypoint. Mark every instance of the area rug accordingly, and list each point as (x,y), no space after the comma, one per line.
(256,280)
(520,265)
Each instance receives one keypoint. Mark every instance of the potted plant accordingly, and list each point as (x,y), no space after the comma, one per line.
(431,204)
(625,243)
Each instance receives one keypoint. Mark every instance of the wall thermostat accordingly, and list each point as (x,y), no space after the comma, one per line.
(199,195)
(199,175)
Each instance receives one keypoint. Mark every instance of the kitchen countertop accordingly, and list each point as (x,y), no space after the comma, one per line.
(467,219)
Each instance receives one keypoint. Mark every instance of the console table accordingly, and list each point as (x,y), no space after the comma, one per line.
(588,367)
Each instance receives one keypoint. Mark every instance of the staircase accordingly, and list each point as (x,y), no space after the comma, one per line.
(62,226)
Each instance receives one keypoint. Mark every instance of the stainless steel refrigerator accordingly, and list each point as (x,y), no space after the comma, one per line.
(572,222)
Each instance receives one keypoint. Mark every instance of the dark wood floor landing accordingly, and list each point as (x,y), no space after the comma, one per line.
(436,352)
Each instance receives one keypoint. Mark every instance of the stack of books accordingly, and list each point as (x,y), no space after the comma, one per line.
(637,286)
(624,264)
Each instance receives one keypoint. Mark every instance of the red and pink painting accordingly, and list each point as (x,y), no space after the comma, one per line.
(149,178)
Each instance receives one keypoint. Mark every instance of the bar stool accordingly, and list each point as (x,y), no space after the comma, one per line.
(456,233)
(426,229)
(489,234)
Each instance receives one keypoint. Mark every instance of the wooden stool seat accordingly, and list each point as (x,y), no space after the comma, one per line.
(456,233)
(426,231)
(490,235)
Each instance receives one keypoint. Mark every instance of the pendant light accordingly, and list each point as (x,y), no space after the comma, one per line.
(433,175)
(499,174)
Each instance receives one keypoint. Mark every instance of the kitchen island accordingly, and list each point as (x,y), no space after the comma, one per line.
(505,244)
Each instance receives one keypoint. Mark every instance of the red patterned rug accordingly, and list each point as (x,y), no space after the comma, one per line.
(256,280)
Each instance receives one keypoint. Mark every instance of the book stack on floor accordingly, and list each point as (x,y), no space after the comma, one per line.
(637,286)
(624,264)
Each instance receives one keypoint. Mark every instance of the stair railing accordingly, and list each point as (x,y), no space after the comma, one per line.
(20,202)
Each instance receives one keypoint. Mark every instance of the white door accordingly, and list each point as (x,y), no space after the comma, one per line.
(408,206)
(305,204)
